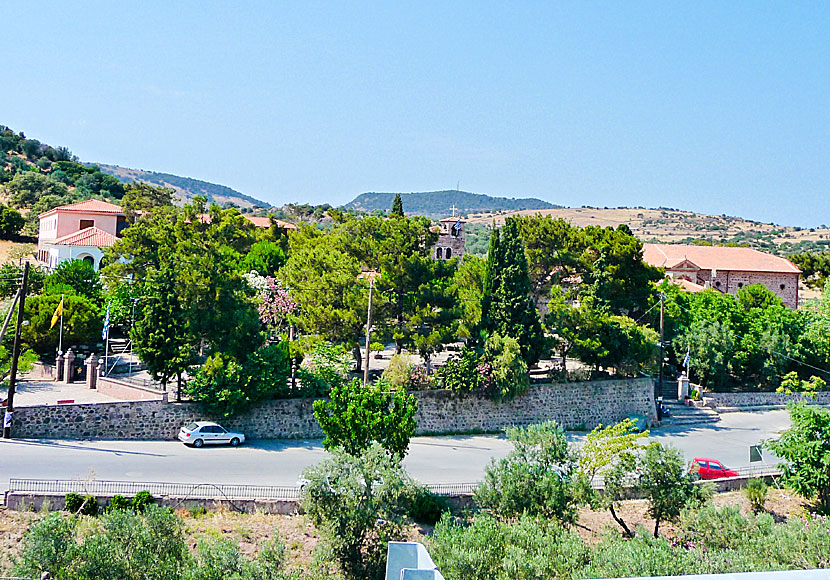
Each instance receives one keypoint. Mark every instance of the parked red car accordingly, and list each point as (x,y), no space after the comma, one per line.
(710,468)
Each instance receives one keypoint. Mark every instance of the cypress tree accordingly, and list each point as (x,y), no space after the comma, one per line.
(397,207)
(506,306)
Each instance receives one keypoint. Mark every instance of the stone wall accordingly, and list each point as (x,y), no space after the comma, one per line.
(573,405)
(760,399)
(126,392)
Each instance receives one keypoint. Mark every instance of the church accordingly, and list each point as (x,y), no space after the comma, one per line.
(451,238)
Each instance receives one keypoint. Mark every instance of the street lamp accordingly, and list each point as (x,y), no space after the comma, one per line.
(371,275)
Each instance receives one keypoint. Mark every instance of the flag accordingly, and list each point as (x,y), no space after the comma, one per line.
(105,332)
(686,358)
(58,313)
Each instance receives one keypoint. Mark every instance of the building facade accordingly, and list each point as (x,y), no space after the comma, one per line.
(726,269)
(80,231)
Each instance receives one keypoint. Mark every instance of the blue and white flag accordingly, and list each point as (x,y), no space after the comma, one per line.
(686,358)
(105,332)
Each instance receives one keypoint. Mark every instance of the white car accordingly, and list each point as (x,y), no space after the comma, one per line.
(209,433)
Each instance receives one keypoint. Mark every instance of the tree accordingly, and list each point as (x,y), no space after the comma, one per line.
(265,257)
(80,276)
(507,307)
(356,416)
(610,453)
(161,333)
(668,487)
(535,476)
(805,451)
(11,222)
(397,207)
(503,370)
(26,188)
(142,197)
(468,286)
(615,342)
(358,503)
(82,322)
(757,296)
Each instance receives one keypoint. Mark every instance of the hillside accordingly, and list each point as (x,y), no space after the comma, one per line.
(677,226)
(438,204)
(185,187)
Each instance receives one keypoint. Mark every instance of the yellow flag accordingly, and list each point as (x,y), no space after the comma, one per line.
(57,314)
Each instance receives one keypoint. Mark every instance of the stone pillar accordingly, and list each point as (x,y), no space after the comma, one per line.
(682,387)
(92,372)
(67,367)
(59,367)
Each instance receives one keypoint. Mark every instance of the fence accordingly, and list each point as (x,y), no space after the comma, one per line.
(189,490)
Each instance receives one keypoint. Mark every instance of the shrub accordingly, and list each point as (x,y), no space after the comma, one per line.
(428,507)
(359,504)
(86,505)
(46,546)
(503,369)
(462,371)
(534,478)
(119,502)
(141,500)
(756,492)
(325,366)
(399,372)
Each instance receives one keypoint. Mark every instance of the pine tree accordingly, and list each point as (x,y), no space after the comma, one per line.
(507,307)
(397,207)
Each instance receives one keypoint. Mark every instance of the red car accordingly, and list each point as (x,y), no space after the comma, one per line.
(710,468)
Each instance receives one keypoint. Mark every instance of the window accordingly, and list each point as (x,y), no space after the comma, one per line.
(87,224)
(449,253)
(782,286)
(740,284)
(717,284)
(438,253)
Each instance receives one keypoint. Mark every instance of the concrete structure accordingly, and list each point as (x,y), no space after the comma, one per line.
(80,231)
(410,561)
(582,405)
(451,239)
(725,269)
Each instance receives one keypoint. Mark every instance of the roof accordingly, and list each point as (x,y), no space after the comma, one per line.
(91,236)
(669,256)
(688,286)
(88,206)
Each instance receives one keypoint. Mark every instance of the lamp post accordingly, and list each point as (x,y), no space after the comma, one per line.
(371,275)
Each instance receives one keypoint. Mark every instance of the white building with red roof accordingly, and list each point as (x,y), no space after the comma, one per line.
(80,231)
(726,269)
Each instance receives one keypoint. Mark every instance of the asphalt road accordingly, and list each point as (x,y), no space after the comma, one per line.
(454,459)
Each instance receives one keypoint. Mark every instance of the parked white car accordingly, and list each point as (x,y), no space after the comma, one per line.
(209,433)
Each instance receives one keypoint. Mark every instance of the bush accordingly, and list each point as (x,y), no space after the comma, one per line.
(504,369)
(46,545)
(462,371)
(119,502)
(359,504)
(428,507)
(398,373)
(141,500)
(326,366)
(756,492)
(86,505)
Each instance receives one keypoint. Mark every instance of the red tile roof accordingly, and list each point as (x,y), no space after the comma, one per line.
(716,258)
(88,206)
(88,237)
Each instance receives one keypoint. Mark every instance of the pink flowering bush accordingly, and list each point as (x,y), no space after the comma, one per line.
(276,305)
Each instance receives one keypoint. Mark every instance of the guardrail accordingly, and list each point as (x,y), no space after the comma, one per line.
(189,490)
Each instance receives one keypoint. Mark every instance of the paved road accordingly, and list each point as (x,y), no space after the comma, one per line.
(459,459)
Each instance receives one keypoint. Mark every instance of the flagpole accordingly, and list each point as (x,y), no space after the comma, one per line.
(60,335)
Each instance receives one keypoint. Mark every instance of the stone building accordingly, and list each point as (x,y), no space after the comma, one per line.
(451,239)
(725,269)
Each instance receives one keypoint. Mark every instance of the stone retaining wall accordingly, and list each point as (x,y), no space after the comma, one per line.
(573,405)
(760,399)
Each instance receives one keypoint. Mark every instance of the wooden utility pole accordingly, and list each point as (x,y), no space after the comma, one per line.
(368,330)
(21,305)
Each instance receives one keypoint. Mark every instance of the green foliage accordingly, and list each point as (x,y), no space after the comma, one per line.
(26,188)
(355,417)
(141,500)
(76,504)
(220,559)
(815,267)
(47,546)
(80,276)
(504,372)
(461,372)
(82,322)
(119,502)
(397,207)
(326,366)
(10,275)
(427,507)
(756,492)
(11,222)
(437,203)
(358,504)
(618,342)
(227,387)
(265,258)
(141,197)
(792,384)
(668,488)
(507,307)
(468,285)
(805,450)
(162,334)
(534,478)
(398,374)
(488,549)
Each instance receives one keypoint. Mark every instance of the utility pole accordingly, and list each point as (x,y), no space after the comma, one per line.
(21,305)
(368,330)
(662,356)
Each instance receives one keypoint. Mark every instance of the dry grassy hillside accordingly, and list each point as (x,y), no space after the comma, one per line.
(675,226)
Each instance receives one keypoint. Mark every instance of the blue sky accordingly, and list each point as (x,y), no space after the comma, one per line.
(718,107)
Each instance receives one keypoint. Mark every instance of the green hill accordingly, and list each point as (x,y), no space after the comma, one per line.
(185,187)
(437,204)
